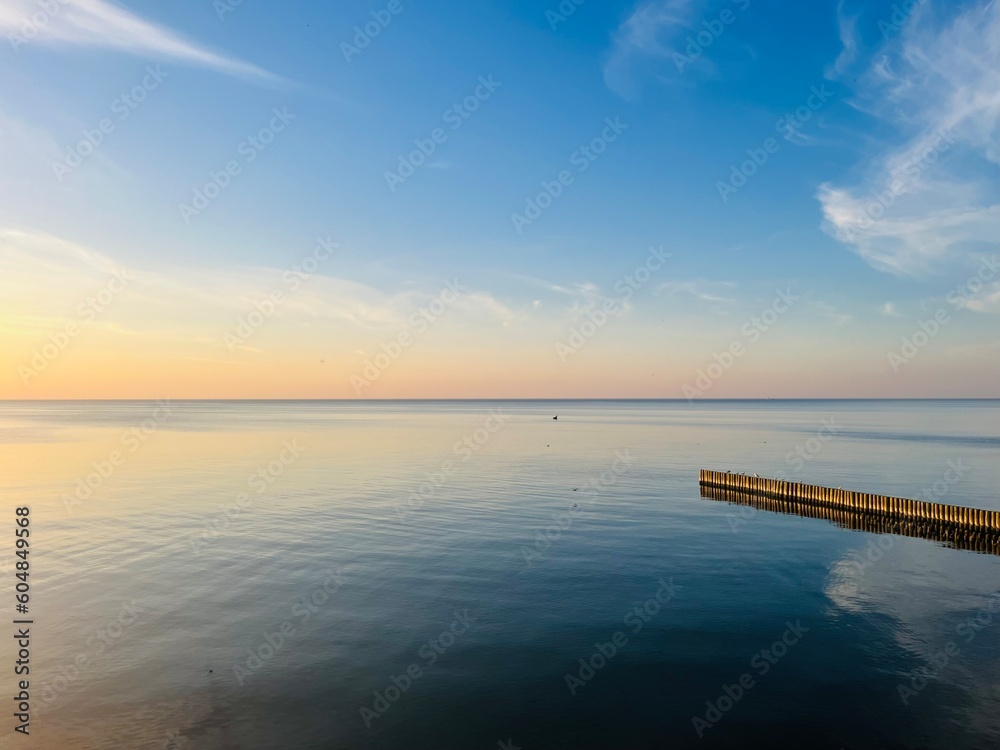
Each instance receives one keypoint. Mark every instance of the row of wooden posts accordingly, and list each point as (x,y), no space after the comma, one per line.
(961,537)
(864,502)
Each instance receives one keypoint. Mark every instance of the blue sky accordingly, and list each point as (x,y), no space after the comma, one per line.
(887,94)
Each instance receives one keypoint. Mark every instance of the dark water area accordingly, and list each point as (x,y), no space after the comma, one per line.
(478,575)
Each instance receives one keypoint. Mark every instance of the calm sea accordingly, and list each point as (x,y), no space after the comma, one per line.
(478,575)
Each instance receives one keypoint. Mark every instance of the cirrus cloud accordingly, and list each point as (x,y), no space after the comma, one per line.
(643,34)
(927,199)
(98,23)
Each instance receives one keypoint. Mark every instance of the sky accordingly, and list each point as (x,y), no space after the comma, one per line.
(499,199)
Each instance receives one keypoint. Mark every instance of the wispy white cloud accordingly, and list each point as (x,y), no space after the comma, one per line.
(889,309)
(829,311)
(707,291)
(586,298)
(928,199)
(848,27)
(42,277)
(99,23)
(571,302)
(480,305)
(549,285)
(987,301)
(647,32)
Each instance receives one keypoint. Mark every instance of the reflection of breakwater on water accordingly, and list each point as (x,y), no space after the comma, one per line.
(986,541)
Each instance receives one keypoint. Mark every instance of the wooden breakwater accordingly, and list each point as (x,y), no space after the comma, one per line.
(986,541)
(864,502)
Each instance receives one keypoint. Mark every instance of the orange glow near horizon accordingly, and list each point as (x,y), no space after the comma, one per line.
(293,375)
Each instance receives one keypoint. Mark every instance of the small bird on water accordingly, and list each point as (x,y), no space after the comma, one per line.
(556,416)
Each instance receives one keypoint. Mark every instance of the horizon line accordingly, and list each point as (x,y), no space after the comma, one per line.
(490,398)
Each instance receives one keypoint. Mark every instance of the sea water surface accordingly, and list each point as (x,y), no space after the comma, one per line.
(467,575)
